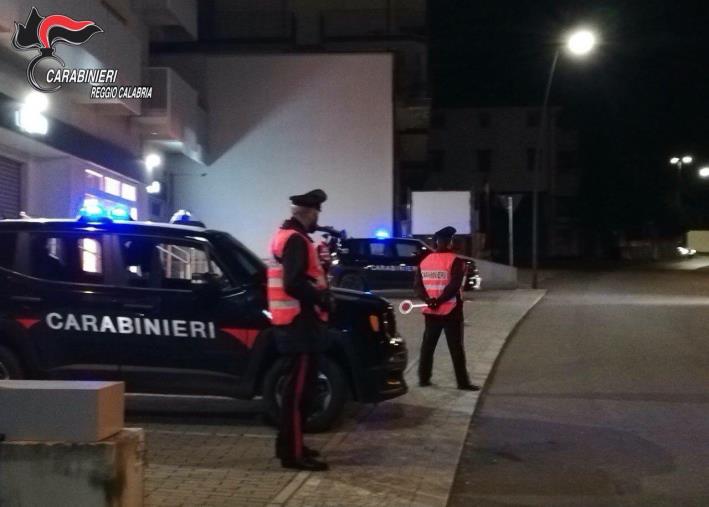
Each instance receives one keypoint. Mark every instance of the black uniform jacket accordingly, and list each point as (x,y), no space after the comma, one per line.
(306,333)
(457,276)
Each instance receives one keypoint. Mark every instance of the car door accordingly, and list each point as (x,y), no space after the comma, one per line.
(199,329)
(408,254)
(62,301)
(382,264)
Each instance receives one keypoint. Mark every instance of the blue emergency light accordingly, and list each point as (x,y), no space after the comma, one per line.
(382,234)
(120,213)
(92,211)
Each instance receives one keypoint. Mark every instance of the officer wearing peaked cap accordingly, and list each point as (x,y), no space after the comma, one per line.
(439,282)
(299,303)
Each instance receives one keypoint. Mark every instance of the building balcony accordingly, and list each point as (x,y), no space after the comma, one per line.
(246,26)
(173,120)
(173,19)
(368,24)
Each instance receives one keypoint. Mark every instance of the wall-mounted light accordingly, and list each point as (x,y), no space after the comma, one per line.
(154,188)
(152,160)
(29,117)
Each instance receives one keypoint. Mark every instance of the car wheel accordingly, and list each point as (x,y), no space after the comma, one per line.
(328,402)
(352,281)
(10,368)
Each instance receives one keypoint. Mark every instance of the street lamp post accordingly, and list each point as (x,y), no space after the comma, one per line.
(579,43)
(680,162)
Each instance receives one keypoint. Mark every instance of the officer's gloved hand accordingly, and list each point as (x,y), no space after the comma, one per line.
(433,303)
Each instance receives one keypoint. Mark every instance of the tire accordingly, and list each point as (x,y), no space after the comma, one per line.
(352,281)
(331,380)
(10,368)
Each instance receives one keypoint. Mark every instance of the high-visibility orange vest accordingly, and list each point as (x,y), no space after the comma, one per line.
(436,275)
(283,307)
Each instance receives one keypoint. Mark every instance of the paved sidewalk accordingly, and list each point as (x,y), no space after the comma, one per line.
(403,452)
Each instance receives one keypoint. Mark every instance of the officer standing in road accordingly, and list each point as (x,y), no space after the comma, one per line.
(298,300)
(439,282)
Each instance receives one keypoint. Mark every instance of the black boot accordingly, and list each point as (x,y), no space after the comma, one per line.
(309,464)
(307,452)
(468,387)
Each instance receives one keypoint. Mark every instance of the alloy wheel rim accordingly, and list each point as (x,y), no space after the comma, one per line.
(323,396)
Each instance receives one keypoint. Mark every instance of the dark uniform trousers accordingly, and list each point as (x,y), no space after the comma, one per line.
(298,346)
(452,325)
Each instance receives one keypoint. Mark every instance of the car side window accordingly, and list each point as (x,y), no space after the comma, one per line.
(8,245)
(380,249)
(66,257)
(407,250)
(154,262)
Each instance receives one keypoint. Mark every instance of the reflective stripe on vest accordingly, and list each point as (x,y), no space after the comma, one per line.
(436,274)
(283,307)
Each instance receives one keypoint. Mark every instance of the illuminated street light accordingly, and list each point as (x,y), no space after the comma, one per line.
(679,162)
(29,117)
(704,172)
(152,161)
(579,43)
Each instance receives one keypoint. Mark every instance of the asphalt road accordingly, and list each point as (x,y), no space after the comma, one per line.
(601,397)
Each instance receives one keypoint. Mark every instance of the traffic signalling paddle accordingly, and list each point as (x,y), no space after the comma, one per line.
(407,306)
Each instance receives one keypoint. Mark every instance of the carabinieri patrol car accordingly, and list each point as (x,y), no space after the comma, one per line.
(386,263)
(171,309)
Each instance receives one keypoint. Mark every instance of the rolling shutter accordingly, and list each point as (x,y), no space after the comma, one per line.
(9,188)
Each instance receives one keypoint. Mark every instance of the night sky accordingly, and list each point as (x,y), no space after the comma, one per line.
(639,99)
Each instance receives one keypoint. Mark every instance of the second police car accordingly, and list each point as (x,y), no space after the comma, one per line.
(386,263)
(171,309)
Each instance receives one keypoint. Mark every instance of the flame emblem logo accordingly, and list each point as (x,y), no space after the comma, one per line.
(43,33)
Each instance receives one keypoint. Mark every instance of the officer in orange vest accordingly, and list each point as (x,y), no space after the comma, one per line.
(299,301)
(439,282)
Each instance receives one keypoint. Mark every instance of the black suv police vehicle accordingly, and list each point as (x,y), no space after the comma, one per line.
(171,309)
(386,263)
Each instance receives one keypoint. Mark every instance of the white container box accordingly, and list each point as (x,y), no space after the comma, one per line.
(60,411)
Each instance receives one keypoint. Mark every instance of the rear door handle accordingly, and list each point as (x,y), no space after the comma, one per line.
(26,299)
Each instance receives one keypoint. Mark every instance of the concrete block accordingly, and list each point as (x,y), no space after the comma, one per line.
(60,411)
(97,474)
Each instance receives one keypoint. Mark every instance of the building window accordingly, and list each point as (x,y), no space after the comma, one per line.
(484,161)
(111,186)
(438,120)
(531,159)
(484,120)
(128,192)
(533,118)
(93,179)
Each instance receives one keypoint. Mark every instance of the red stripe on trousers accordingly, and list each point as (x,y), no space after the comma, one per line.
(300,381)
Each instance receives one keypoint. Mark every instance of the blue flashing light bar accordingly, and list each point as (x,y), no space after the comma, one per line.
(92,211)
(120,213)
(382,234)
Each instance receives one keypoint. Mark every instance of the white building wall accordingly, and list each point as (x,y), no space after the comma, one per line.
(285,124)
